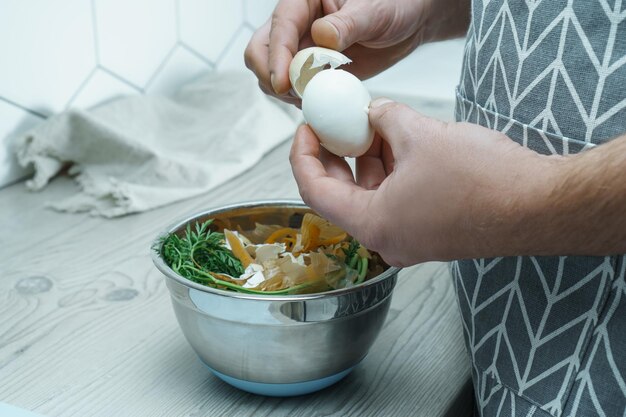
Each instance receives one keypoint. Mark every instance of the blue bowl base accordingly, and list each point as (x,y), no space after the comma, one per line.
(282,390)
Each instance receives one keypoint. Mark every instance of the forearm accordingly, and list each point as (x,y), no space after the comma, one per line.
(429,190)
(577,206)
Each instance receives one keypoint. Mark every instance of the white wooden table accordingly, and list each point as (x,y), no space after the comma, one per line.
(87,329)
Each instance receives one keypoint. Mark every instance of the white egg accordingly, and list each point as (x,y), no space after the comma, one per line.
(335,105)
(334,102)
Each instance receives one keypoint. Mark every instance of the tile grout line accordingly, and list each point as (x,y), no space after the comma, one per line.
(229,44)
(244,10)
(197,54)
(249,25)
(162,65)
(94,23)
(245,24)
(81,87)
(24,108)
(119,78)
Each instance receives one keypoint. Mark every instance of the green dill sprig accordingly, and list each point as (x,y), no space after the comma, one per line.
(201,253)
(351,250)
(200,248)
(356,262)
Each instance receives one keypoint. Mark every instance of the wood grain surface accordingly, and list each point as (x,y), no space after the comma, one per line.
(87,328)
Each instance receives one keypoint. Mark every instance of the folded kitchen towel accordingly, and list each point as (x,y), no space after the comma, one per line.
(141,152)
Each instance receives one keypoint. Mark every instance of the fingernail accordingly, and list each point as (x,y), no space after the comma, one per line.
(273,81)
(379,102)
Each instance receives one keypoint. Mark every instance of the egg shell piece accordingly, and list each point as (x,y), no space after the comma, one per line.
(335,105)
(255,280)
(324,56)
(309,61)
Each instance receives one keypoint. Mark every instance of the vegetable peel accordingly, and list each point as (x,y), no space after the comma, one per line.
(316,257)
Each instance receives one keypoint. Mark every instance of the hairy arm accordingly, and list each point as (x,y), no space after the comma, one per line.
(428,190)
(581,209)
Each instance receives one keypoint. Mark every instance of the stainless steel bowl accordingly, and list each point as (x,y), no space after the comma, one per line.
(276,345)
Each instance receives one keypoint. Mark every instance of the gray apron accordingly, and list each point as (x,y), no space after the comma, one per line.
(546,335)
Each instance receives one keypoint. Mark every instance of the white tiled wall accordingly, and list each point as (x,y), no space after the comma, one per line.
(79,53)
(56,54)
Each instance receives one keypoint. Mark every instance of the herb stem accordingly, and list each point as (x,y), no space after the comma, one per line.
(362,269)
(241,289)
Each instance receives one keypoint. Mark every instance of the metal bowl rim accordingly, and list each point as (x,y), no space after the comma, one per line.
(170,274)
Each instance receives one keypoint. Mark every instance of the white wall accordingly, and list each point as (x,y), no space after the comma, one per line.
(78,53)
(431,72)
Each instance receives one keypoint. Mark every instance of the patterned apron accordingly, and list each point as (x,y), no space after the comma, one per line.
(546,335)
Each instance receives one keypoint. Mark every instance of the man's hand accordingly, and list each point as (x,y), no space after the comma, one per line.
(374,34)
(427,190)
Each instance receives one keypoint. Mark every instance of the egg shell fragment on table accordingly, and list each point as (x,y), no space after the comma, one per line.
(335,105)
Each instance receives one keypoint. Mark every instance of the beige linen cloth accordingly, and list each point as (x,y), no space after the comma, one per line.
(141,152)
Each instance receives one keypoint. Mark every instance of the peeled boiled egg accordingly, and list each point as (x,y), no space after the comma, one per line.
(334,102)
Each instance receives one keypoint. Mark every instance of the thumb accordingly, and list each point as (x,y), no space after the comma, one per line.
(349,25)
(396,123)
(341,202)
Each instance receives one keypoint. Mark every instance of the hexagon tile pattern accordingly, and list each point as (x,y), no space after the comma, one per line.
(232,59)
(101,84)
(181,67)
(207,26)
(46,60)
(134,37)
(80,53)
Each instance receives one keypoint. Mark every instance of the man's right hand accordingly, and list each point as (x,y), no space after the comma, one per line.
(374,34)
